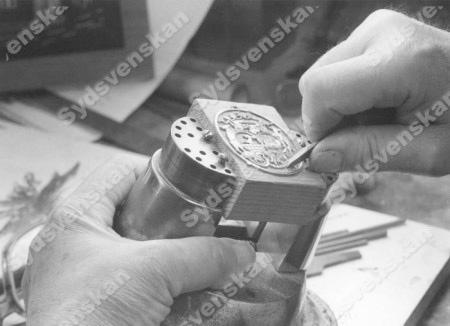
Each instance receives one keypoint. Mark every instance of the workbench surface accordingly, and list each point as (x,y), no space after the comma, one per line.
(421,199)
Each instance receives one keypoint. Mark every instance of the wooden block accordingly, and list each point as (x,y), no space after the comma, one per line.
(265,191)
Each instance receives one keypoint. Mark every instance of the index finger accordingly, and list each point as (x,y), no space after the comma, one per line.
(106,187)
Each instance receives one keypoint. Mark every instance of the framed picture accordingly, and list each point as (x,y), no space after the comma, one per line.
(58,42)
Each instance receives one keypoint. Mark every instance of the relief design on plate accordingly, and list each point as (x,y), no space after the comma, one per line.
(257,140)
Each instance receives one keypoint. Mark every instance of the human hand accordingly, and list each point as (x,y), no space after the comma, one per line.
(389,62)
(83,273)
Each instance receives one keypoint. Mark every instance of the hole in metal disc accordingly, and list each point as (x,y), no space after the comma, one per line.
(178,135)
(190,135)
(198,159)
(215,152)
(213,166)
(193,120)
(199,128)
(202,152)
(183,122)
(187,150)
(178,127)
(228,171)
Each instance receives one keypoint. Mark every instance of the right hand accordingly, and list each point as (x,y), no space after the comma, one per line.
(391,62)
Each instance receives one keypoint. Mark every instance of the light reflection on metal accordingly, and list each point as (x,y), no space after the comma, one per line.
(258,141)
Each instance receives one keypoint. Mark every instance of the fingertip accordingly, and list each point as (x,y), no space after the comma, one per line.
(243,251)
(313,134)
(307,125)
(328,161)
(312,130)
(241,255)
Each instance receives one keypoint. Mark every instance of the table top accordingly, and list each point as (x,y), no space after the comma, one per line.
(422,199)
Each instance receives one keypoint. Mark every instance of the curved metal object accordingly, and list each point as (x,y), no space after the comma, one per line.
(259,142)
(315,312)
(14,261)
(156,209)
(197,177)
(191,162)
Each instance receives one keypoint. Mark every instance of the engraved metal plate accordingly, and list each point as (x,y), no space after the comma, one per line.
(258,141)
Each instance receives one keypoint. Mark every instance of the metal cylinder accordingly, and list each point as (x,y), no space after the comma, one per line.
(177,195)
(155,209)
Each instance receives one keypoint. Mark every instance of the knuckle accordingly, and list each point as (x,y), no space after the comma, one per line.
(383,16)
(302,83)
(310,83)
(430,52)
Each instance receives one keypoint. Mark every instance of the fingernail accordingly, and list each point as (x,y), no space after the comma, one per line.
(313,133)
(329,161)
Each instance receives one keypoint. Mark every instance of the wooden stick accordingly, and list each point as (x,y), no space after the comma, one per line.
(343,234)
(368,236)
(349,245)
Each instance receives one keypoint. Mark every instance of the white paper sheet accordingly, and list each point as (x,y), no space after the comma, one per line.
(127,96)
(393,276)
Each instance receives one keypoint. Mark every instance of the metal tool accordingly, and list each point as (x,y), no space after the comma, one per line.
(227,160)
(345,234)
(232,161)
(301,155)
(350,241)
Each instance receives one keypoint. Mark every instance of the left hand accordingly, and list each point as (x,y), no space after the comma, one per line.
(83,273)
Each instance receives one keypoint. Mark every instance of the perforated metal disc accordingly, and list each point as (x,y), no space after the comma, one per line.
(192,139)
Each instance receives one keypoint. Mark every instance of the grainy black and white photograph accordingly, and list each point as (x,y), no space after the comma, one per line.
(224,163)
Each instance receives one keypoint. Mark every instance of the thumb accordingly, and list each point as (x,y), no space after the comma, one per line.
(369,149)
(196,263)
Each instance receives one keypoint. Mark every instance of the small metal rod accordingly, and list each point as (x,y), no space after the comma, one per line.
(369,236)
(258,231)
(367,231)
(301,155)
(326,236)
(301,250)
(345,246)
